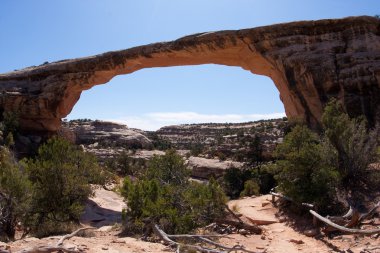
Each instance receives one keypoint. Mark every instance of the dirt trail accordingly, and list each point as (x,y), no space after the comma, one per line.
(104,209)
(283,237)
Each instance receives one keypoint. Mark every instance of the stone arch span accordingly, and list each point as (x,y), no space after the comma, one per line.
(309,62)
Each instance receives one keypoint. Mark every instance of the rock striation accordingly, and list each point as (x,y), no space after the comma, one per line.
(308,61)
(106,134)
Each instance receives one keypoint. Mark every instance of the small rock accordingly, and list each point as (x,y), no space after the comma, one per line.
(282,219)
(263,237)
(119,240)
(104,248)
(105,229)
(243,232)
(346,239)
(296,241)
(259,247)
(265,203)
(311,232)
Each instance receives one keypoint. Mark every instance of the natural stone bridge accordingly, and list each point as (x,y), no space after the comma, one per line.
(309,62)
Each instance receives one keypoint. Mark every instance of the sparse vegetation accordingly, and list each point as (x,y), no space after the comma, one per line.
(251,187)
(165,196)
(306,174)
(312,167)
(248,181)
(14,194)
(60,175)
(353,143)
(158,142)
(123,164)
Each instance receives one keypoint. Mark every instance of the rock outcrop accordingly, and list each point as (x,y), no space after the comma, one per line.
(309,62)
(226,140)
(107,134)
(207,168)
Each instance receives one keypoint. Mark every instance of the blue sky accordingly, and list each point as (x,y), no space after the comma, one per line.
(44,30)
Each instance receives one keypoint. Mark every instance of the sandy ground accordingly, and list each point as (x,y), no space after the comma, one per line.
(104,210)
(285,237)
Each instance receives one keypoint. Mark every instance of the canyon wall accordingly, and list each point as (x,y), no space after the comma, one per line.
(308,61)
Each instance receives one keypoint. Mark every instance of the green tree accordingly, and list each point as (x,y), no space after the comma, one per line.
(165,196)
(61,175)
(354,143)
(251,187)
(255,151)
(168,169)
(10,123)
(307,167)
(14,194)
(234,179)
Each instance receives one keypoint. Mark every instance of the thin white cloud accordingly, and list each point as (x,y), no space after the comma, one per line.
(156,120)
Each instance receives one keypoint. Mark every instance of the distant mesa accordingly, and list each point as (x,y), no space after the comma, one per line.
(308,61)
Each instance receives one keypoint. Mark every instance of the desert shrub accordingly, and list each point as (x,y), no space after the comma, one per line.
(266,177)
(254,154)
(61,174)
(165,196)
(123,164)
(196,148)
(354,143)
(168,169)
(14,194)
(234,179)
(10,123)
(159,142)
(251,187)
(307,171)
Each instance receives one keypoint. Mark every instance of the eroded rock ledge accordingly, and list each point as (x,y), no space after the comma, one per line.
(309,62)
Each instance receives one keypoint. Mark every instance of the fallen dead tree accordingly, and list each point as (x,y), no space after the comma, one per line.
(240,225)
(342,228)
(219,248)
(48,248)
(343,223)
(278,195)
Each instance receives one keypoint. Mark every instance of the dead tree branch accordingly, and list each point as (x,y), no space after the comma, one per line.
(344,229)
(166,238)
(370,213)
(60,242)
(252,228)
(49,249)
(234,214)
(229,249)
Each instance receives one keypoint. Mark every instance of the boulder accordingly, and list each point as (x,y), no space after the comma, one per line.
(206,168)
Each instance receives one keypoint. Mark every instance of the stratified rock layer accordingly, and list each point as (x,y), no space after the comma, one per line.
(107,134)
(309,62)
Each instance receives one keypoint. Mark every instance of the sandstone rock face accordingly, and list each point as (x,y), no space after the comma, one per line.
(309,62)
(207,168)
(106,134)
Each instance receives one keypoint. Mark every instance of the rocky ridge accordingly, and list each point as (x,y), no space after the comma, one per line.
(107,134)
(209,149)
(308,61)
(225,140)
